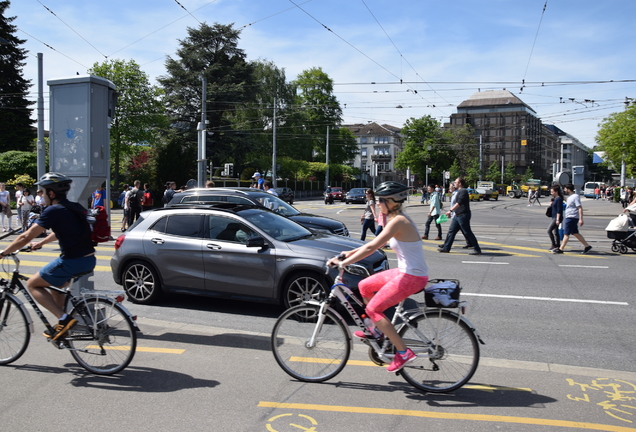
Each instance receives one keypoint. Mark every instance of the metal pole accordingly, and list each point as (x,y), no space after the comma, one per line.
(202,129)
(480,156)
(274,148)
(41,152)
(327,161)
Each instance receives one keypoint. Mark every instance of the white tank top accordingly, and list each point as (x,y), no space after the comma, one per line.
(410,257)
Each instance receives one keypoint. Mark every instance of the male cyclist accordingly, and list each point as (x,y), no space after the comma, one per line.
(68,222)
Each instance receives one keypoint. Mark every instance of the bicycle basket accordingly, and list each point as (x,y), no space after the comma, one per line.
(443,293)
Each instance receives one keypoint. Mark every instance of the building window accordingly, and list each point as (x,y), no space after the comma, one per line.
(363,140)
(382,151)
(363,167)
(363,152)
(381,140)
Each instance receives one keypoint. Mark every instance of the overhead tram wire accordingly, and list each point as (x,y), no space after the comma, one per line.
(74,31)
(50,47)
(351,45)
(533,44)
(399,52)
(183,7)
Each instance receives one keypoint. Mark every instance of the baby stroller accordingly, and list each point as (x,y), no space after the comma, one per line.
(622,231)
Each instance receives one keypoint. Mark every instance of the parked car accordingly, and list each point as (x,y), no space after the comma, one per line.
(231,250)
(286,194)
(473,195)
(258,197)
(356,195)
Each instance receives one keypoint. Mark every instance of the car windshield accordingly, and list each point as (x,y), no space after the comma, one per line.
(275,204)
(280,228)
(356,191)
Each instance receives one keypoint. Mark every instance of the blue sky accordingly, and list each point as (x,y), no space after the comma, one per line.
(442,51)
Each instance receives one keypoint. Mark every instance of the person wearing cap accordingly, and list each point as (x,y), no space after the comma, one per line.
(387,288)
(70,228)
(259,181)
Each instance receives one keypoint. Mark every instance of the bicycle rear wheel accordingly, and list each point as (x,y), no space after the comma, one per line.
(451,357)
(290,338)
(14,330)
(104,340)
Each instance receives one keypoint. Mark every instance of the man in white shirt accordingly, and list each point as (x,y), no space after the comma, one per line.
(573,215)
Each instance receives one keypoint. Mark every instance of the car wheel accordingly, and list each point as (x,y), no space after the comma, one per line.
(303,286)
(141,283)
(291,202)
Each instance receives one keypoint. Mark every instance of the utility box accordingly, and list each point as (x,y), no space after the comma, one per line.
(577,177)
(81,110)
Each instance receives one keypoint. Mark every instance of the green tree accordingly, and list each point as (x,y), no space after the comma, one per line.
(527,175)
(16,130)
(455,170)
(14,161)
(464,145)
(617,138)
(316,109)
(472,173)
(424,145)
(493,174)
(510,174)
(139,113)
(211,52)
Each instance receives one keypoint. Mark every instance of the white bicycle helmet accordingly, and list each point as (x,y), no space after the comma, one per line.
(392,190)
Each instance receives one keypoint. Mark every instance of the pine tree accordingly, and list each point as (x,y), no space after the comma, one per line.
(16,131)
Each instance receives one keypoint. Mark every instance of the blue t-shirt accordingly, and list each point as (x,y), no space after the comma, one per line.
(98,198)
(71,229)
(261,183)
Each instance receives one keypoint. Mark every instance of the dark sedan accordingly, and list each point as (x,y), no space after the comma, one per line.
(356,196)
(263,199)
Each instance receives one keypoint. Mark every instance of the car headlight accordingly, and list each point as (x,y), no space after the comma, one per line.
(357,270)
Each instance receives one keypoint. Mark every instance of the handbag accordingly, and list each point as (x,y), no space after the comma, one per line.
(548,212)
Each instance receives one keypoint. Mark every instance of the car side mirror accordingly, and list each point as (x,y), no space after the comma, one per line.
(257,242)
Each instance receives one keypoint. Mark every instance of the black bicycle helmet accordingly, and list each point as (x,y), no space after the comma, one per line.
(57,182)
(393,190)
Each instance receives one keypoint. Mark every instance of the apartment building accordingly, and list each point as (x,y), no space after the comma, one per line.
(379,146)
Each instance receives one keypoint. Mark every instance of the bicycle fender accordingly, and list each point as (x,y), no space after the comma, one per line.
(24,309)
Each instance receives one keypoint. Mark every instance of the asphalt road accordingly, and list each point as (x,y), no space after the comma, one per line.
(559,351)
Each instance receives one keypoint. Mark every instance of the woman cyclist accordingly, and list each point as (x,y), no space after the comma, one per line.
(388,288)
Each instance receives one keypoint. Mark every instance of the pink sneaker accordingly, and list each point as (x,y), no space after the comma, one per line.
(399,361)
(362,335)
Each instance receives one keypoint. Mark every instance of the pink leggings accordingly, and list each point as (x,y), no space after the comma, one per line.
(387,289)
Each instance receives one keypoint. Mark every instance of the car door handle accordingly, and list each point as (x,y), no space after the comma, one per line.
(157,241)
(213,246)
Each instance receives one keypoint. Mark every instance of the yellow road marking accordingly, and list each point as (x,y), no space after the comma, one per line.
(41,264)
(140,349)
(450,416)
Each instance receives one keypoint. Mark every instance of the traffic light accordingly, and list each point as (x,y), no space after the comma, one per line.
(229,169)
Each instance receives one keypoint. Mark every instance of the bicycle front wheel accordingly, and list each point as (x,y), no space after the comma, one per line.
(447,351)
(291,339)
(104,340)
(14,330)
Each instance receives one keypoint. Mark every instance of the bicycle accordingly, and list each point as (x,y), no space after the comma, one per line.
(312,342)
(103,341)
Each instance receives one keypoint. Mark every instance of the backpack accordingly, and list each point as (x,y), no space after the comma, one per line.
(136,196)
(146,200)
(100,229)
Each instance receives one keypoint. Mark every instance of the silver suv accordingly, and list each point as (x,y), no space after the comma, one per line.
(244,252)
